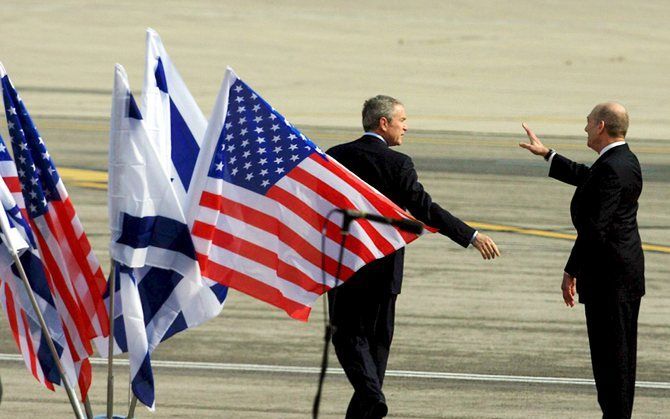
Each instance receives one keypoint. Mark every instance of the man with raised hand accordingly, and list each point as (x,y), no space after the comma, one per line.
(363,309)
(606,265)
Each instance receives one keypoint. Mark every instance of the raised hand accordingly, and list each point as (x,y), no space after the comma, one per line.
(535,146)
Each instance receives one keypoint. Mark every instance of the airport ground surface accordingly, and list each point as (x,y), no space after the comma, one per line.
(457,314)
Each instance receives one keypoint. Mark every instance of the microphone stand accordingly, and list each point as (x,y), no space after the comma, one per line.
(329,328)
(348,216)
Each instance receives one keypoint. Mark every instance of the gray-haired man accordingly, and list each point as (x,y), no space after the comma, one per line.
(363,309)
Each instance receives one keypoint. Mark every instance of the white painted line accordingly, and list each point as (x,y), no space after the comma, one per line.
(215,366)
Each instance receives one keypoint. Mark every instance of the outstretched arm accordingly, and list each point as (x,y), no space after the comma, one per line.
(420,205)
(561,168)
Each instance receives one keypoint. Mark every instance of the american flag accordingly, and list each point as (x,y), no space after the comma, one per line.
(20,314)
(74,274)
(267,196)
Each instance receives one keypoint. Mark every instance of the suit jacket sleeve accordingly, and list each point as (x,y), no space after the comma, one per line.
(567,171)
(420,204)
(595,218)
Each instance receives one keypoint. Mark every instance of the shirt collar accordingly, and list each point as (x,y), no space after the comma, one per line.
(611,146)
(374,134)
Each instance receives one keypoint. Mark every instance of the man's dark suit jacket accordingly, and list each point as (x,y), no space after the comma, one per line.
(607,257)
(392,173)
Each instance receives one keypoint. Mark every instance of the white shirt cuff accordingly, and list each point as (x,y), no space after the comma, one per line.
(551,157)
(474,236)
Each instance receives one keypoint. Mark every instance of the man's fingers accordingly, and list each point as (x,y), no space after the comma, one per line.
(494,248)
(568,288)
(568,298)
(484,251)
(488,249)
(531,135)
(529,132)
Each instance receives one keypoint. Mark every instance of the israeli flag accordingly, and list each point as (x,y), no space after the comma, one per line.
(175,124)
(160,289)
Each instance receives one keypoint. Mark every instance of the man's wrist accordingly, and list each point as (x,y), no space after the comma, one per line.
(474,237)
(548,154)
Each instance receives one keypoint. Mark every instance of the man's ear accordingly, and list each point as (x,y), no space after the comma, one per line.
(601,127)
(383,123)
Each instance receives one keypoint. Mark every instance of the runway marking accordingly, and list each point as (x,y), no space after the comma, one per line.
(96,179)
(445,376)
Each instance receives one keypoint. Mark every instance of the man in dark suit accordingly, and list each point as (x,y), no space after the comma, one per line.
(606,265)
(362,310)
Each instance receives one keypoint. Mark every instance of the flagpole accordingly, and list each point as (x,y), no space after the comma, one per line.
(54,354)
(110,347)
(87,408)
(131,410)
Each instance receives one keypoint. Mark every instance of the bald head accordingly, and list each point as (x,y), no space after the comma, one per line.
(615,117)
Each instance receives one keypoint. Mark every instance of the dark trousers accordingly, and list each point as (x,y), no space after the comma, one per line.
(363,322)
(612,330)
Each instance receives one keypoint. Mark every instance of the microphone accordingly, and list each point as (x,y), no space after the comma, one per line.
(411,226)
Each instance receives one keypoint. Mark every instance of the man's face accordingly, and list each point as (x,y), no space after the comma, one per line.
(592,131)
(393,130)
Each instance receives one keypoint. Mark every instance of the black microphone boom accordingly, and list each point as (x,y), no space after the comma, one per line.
(411,226)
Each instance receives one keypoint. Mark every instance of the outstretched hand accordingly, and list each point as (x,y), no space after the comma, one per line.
(534,145)
(486,246)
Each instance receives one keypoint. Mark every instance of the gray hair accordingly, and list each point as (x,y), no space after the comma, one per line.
(377,107)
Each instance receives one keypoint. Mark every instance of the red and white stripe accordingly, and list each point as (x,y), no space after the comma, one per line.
(29,337)
(75,277)
(79,261)
(11,178)
(18,324)
(269,246)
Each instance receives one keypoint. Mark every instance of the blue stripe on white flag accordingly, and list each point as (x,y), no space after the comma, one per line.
(156,231)
(46,361)
(143,383)
(35,274)
(184,147)
(17,220)
(156,287)
(161,81)
(120,334)
(178,325)
(220,291)
(134,325)
(133,109)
